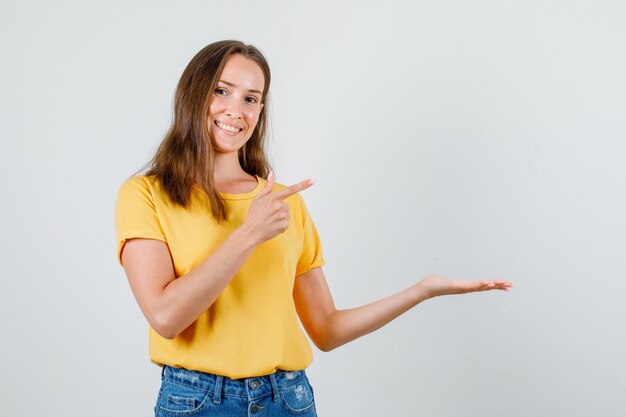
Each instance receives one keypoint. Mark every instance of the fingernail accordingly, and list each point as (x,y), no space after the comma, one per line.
(312,181)
(270,175)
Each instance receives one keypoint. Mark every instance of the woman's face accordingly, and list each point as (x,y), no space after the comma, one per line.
(235,105)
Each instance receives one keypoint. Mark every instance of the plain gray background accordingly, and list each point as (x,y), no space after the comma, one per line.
(479,139)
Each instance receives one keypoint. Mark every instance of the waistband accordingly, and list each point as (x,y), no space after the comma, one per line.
(251,388)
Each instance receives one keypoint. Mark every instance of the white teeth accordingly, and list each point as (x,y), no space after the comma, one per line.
(227,128)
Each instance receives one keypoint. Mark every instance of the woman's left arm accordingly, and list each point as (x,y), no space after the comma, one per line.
(329,328)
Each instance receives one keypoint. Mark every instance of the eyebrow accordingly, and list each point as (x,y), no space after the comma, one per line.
(233,85)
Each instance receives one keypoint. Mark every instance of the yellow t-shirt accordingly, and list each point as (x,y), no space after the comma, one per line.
(252,328)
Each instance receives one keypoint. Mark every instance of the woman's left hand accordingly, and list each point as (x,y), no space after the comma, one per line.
(436,285)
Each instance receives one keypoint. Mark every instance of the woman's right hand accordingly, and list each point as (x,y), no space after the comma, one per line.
(268,215)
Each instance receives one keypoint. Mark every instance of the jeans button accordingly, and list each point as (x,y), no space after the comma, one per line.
(254,384)
(256,408)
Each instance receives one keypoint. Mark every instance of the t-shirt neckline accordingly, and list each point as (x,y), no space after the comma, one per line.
(249,194)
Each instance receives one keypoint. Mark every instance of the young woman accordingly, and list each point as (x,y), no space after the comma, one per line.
(224,262)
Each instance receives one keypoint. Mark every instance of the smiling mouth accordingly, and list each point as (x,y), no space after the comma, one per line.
(228,128)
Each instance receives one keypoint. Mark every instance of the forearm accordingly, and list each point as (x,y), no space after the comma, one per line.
(344,326)
(184,299)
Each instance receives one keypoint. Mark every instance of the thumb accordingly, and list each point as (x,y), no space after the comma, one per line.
(267,188)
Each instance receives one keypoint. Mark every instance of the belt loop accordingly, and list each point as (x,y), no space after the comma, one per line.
(275,396)
(217,395)
(163,372)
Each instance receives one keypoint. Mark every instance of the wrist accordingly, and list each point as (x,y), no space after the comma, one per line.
(246,235)
(420,293)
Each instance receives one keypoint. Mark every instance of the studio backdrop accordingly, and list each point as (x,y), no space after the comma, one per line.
(475,140)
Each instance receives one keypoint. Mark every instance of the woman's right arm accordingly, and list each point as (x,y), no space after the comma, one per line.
(171,304)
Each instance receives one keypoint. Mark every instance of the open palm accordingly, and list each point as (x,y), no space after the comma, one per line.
(437,285)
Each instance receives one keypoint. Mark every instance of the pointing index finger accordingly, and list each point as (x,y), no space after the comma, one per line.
(292,189)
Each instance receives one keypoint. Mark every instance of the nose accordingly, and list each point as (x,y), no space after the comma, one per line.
(233,109)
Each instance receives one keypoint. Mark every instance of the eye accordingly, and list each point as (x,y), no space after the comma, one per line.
(251,100)
(220,91)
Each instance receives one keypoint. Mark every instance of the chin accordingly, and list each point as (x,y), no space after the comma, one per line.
(228,148)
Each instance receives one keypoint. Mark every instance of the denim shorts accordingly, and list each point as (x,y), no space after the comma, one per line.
(193,393)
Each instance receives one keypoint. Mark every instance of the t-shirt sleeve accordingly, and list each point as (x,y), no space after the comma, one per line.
(311,255)
(135,213)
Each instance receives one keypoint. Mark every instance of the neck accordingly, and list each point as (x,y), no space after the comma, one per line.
(227,167)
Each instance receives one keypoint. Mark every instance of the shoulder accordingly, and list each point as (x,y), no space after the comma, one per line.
(141,182)
(137,187)
(138,182)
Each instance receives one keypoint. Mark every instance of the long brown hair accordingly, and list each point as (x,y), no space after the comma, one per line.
(185,157)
